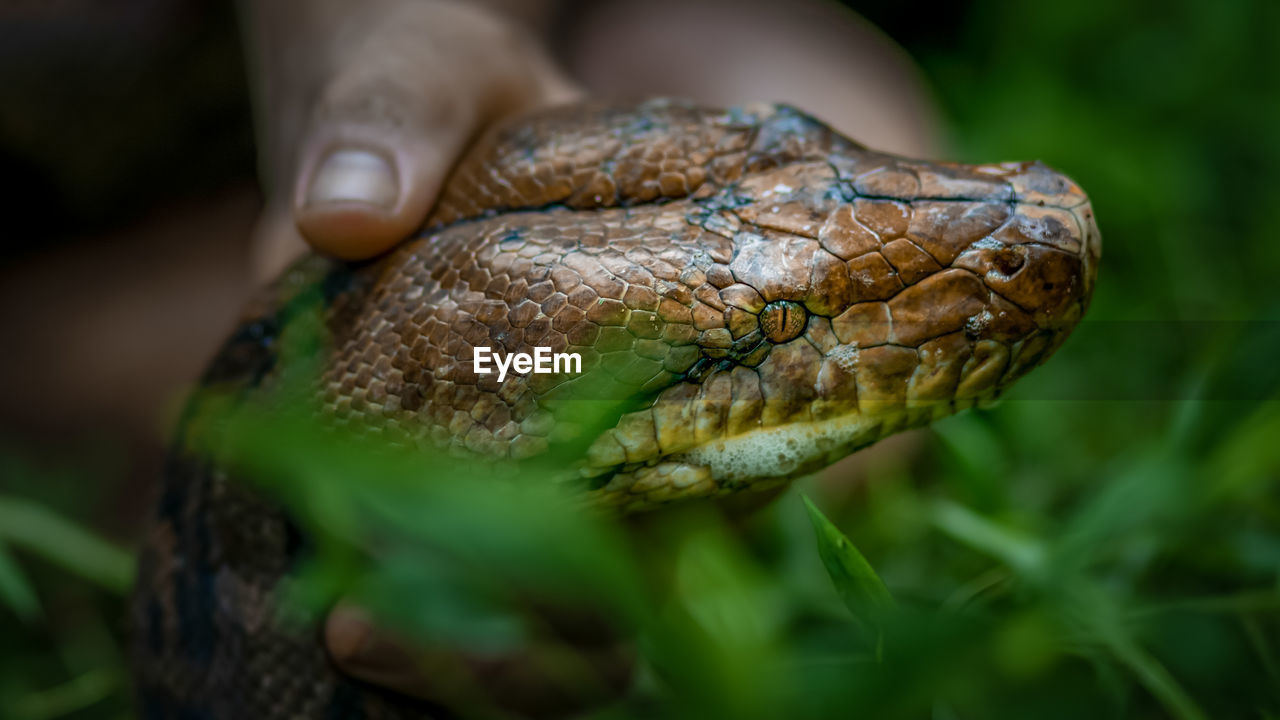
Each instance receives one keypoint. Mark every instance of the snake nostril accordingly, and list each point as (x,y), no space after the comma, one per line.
(1008,261)
(782,320)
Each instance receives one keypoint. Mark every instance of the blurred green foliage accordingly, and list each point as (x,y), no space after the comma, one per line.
(1104,543)
(60,607)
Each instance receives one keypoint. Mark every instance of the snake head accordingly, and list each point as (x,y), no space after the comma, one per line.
(863,294)
(765,295)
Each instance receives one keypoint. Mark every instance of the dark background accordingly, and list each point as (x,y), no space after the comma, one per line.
(127,182)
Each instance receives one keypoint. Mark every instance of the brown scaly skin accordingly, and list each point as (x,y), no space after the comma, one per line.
(766,296)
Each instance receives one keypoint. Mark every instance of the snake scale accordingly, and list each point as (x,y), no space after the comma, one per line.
(775,296)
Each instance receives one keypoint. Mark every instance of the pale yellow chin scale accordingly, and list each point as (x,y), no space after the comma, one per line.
(765,458)
(787,450)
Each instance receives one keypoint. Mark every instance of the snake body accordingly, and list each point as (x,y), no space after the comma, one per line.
(768,295)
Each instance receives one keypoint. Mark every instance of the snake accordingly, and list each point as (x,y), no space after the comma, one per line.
(768,295)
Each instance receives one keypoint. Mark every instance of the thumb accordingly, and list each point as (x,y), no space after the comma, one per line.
(389,125)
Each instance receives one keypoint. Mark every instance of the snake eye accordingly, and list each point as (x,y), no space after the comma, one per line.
(782,320)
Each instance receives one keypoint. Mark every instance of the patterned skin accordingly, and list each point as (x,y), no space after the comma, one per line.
(759,296)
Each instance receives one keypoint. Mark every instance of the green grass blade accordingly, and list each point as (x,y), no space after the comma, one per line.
(1025,555)
(70,697)
(36,528)
(1154,677)
(15,589)
(857,583)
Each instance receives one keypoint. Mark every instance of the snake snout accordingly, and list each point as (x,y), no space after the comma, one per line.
(1043,259)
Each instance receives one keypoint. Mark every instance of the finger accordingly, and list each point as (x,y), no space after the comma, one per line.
(543,679)
(360,650)
(388,126)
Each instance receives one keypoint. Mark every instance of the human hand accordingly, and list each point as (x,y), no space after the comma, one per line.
(363,108)
(575,661)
